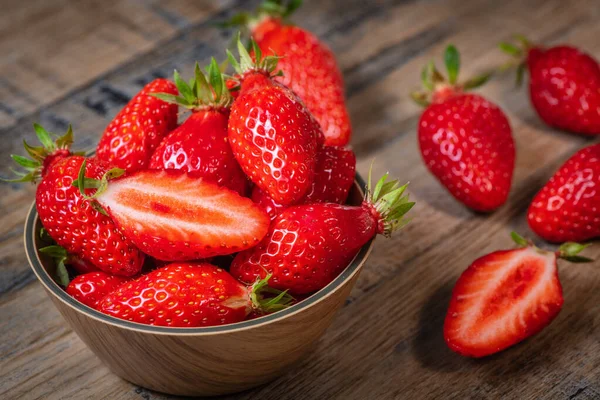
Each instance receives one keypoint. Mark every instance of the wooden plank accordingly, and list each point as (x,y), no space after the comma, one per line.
(386,342)
(51,48)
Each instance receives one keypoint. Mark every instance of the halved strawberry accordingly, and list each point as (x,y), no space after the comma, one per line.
(172,216)
(505,297)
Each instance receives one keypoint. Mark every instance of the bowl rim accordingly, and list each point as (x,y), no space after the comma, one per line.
(52,288)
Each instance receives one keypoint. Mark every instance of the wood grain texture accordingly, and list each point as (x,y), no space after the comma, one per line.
(386,342)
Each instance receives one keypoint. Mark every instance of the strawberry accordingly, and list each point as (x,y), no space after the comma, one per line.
(566,208)
(465,140)
(336,167)
(92,287)
(307,246)
(190,295)
(308,65)
(62,259)
(505,297)
(564,85)
(132,136)
(273,136)
(199,146)
(334,176)
(172,216)
(68,218)
(266,203)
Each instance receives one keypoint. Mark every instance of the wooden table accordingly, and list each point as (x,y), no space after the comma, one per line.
(66,61)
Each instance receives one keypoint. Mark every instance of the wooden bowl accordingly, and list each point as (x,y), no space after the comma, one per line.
(200,361)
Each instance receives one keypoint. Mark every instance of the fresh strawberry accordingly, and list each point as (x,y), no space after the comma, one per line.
(465,140)
(505,297)
(266,203)
(68,218)
(130,139)
(272,134)
(308,65)
(334,176)
(335,170)
(80,265)
(564,85)
(566,208)
(190,295)
(92,287)
(199,146)
(309,245)
(172,216)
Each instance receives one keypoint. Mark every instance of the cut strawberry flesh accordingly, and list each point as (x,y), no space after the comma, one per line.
(172,216)
(501,299)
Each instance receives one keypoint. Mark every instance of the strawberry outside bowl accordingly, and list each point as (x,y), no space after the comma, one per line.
(200,361)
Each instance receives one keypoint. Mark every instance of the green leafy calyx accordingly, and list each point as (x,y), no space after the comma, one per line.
(267,9)
(570,251)
(33,166)
(267,65)
(518,52)
(100,185)
(567,251)
(433,81)
(267,300)
(204,91)
(387,198)
(60,256)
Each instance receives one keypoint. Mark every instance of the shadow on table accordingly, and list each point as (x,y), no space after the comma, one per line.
(529,356)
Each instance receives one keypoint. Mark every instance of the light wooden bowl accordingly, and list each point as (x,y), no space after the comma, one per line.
(200,361)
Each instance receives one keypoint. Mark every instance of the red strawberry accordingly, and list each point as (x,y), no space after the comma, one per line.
(266,203)
(308,65)
(336,167)
(334,176)
(80,265)
(92,287)
(133,135)
(172,216)
(77,226)
(309,245)
(564,85)
(199,145)
(67,217)
(272,135)
(189,295)
(505,297)
(465,140)
(566,208)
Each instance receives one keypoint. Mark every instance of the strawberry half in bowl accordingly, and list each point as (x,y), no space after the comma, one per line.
(200,361)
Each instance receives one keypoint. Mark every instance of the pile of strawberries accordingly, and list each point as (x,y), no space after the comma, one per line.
(235,212)
(466,142)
